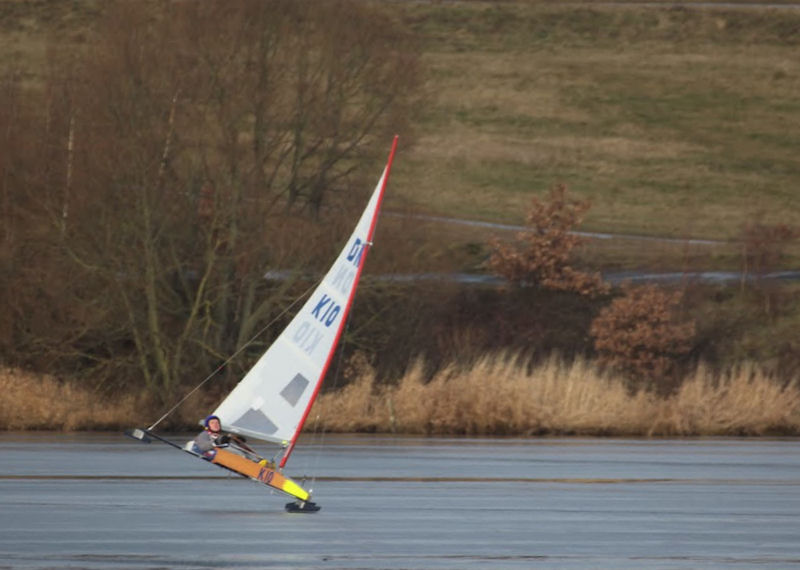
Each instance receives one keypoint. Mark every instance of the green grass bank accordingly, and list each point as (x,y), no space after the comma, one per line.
(673,121)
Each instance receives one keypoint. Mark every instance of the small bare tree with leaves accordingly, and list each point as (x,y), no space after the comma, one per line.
(541,256)
(763,247)
(643,333)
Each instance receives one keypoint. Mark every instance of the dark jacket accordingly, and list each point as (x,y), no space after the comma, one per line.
(206,440)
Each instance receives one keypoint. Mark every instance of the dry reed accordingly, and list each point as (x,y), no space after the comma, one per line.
(499,394)
(502,395)
(46,403)
(29,402)
(744,400)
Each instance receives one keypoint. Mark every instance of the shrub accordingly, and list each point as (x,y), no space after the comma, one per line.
(541,256)
(641,333)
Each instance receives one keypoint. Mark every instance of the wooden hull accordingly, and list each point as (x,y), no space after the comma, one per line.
(263,472)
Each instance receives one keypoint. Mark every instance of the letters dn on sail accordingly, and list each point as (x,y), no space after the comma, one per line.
(326,310)
(346,274)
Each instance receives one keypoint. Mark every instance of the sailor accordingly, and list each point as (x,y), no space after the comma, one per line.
(211,436)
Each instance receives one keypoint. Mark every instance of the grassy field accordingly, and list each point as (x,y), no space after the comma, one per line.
(673,121)
(681,122)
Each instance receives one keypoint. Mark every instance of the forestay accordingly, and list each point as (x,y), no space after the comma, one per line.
(272,401)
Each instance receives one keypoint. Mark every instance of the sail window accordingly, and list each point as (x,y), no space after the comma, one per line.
(256,421)
(294,389)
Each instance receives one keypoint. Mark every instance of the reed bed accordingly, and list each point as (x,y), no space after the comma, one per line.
(46,403)
(743,400)
(503,395)
(29,402)
(500,394)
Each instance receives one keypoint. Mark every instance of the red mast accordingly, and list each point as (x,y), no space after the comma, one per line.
(342,321)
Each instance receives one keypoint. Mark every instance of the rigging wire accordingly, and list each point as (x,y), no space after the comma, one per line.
(235,354)
(317,433)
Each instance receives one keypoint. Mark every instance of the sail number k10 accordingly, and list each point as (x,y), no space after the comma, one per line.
(265,475)
(326,311)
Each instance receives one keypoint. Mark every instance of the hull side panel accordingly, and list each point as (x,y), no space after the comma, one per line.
(265,473)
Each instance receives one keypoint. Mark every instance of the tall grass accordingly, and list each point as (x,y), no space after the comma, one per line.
(743,400)
(30,402)
(500,394)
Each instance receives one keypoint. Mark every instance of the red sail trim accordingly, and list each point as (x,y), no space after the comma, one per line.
(350,299)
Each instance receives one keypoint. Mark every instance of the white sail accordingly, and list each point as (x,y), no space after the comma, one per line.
(272,401)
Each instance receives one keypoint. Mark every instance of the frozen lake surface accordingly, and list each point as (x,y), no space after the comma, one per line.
(105,501)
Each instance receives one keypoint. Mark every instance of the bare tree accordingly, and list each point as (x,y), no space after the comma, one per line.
(10,123)
(179,164)
(763,247)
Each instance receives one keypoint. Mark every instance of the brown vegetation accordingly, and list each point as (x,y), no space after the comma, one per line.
(150,180)
(504,395)
(146,188)
(640,333)
(541,256)
(763,248)
(43,402)
(499,395)
(643,333)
